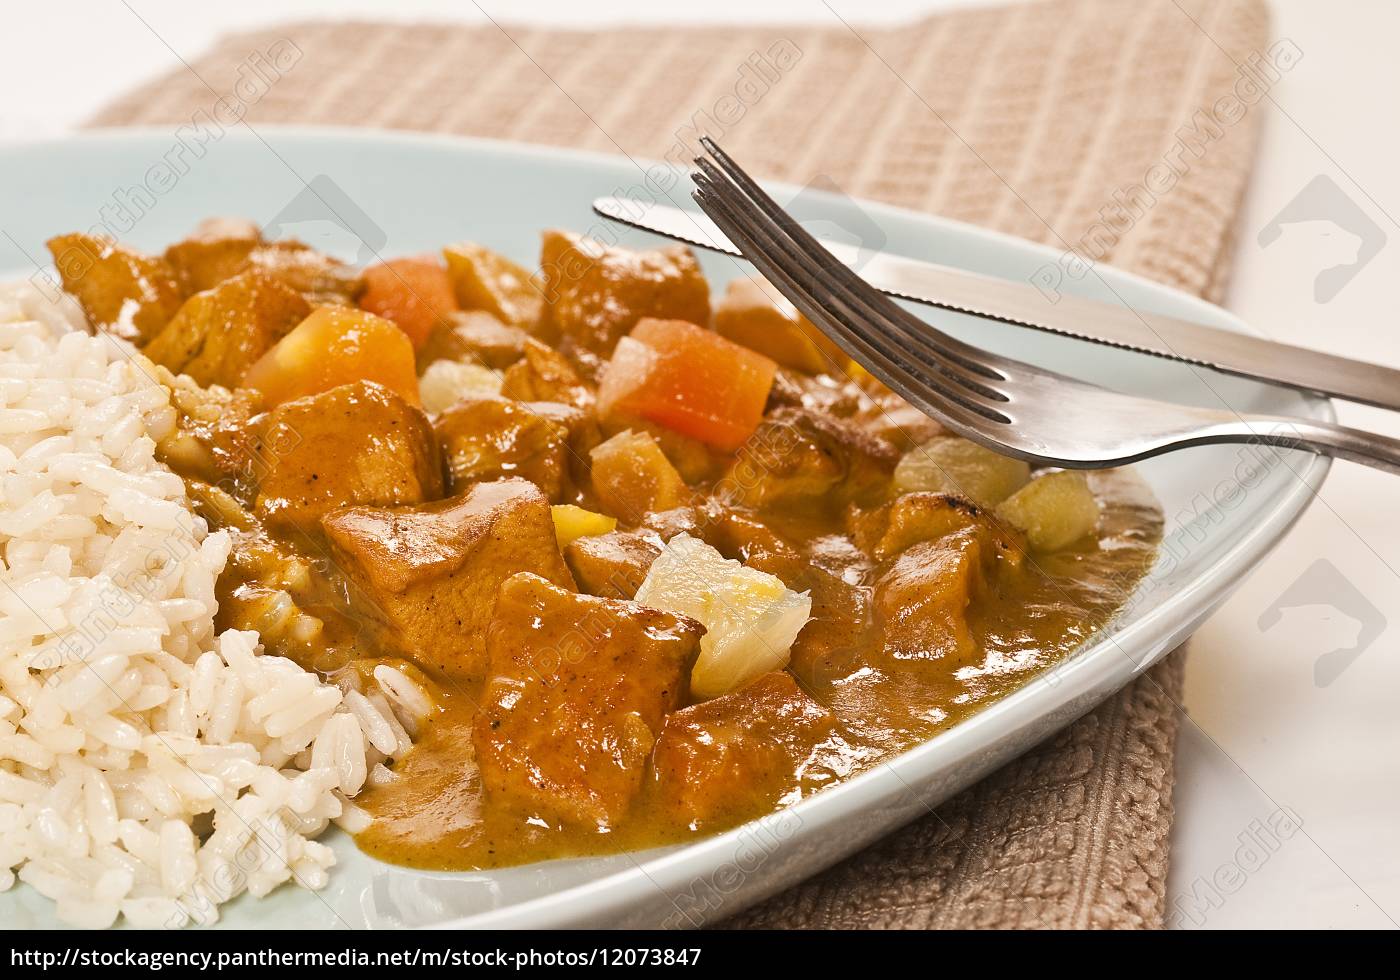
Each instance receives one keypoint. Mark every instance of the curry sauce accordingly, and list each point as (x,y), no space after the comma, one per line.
(649,564)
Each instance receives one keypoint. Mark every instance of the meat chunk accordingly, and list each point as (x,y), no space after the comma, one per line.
(632,477)
(595,295)
(218,334)
(738,755)
(545,375)
(319,277)
(122,291)
(797,456)
(487,437)
(753,313)
(922,597)
(485,280)
(910,518)
(356,444)
(476,337)
(611,565)
(218,250)
(430,572)
(579,688)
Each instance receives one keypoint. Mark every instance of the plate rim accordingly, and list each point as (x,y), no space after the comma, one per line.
(1156,631)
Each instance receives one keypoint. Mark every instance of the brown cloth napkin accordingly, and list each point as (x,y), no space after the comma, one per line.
(1027,119)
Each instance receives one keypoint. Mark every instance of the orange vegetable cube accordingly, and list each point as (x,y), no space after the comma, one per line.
(336,345)
(688,379)
(415,293)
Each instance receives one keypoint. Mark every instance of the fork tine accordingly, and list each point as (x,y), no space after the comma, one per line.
(754,236)
(971,389)
(930,339)
(977,387)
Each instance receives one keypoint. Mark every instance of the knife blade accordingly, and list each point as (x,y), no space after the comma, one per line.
(1114,324)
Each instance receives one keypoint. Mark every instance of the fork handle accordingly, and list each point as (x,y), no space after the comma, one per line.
(1325,438)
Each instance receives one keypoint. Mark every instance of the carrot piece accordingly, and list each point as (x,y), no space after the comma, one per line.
(688,379)
(335,345)
(415,293)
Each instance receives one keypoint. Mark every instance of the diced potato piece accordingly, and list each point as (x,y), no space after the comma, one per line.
(445,383)
(595,295)
(122,291)
(688,379)
(485,280)
(336,345)
(632,477)
(753,313)
(579,689)
(952,465)
(411,292)
(572,522)
(1054,509)
(220,333)
(751,618)
(475,336)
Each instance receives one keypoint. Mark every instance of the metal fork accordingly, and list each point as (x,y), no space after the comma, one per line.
(1004,404)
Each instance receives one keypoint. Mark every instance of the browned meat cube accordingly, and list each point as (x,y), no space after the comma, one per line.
(579,688)
(753,313)
(595,295)
(545,375)
(611,565)
(910,518)
(217,250)
(321,279)
(798,456)
(121,291)
(476,337)
(736,756)
(485,280)
(218,334)
(632,477)
(486,438)
(922,598)
(430,572)
(356,444)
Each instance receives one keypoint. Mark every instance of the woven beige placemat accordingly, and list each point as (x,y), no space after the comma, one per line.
(1058,121)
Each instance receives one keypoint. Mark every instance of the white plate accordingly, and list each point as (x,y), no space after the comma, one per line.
(405,194)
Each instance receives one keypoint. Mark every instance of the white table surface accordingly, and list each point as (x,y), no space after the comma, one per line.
(1261,734)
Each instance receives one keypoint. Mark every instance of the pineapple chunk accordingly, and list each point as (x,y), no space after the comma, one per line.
(572,523)
(948,464)
(750,617)
(444,383)
(1054,509)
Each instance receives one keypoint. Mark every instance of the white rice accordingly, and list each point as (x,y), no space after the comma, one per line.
(148,768)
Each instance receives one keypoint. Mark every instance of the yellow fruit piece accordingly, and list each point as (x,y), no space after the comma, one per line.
(444,383)
(949,464)
(750,617)
(572,523)
(1054,510)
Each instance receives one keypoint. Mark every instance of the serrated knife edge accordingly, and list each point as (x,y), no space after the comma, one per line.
(1023,305)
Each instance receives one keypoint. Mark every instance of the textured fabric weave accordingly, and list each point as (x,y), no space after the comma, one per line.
(1026,119)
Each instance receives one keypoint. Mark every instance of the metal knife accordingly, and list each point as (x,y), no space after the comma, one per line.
(1115,324)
